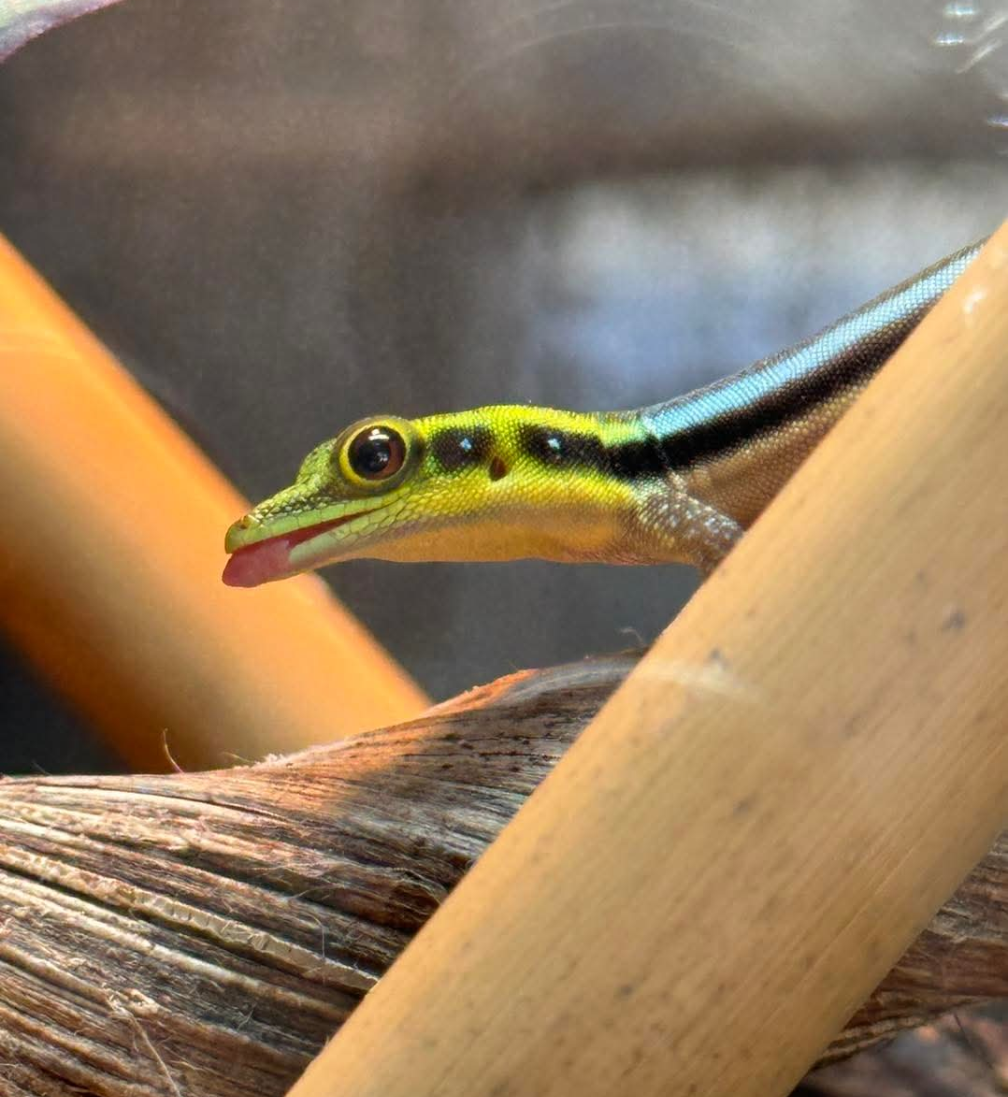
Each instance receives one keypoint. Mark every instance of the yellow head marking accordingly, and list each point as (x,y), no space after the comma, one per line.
(489,484)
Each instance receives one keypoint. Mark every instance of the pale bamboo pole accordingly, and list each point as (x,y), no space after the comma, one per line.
(111,548)
(760,821)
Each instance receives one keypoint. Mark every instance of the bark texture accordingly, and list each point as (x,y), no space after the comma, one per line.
(202,935)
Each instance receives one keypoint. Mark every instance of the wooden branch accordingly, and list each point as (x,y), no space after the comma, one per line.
(201,935)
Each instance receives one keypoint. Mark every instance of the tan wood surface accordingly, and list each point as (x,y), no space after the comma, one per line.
(111,548)
(205,933)
(778,799)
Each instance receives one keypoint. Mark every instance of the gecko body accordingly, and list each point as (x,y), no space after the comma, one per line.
(674,482)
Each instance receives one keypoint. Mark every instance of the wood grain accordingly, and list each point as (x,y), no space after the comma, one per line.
(201,935)
(773,806)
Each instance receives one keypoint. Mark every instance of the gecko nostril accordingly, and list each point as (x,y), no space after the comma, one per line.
(498,470)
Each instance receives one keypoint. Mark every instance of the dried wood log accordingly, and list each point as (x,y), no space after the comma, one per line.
(201,935)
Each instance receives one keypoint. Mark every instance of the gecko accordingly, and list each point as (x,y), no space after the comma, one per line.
(675,482)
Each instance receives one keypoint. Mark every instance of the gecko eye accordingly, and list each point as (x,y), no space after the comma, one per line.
(376,453)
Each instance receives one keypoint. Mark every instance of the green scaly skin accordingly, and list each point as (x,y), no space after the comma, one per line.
(677,482)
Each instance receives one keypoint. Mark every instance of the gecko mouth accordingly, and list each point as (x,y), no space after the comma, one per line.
(270,558)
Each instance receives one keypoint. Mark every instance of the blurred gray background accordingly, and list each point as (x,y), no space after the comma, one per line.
(285,215)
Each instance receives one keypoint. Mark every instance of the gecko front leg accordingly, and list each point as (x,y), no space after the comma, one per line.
(672,524)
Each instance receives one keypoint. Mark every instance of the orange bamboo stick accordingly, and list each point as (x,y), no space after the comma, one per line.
(111,548)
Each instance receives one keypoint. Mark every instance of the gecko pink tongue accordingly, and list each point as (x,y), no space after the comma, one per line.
(270,559)
(259,563)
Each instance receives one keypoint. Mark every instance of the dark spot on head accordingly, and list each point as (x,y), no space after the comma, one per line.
(498,470)
(562,448)
(456,448)
(544,444)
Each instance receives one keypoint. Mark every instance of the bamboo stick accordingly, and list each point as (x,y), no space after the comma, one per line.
(111,548)
(804,767)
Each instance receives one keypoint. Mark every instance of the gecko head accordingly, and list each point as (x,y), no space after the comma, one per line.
(347,491)
(387,488)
